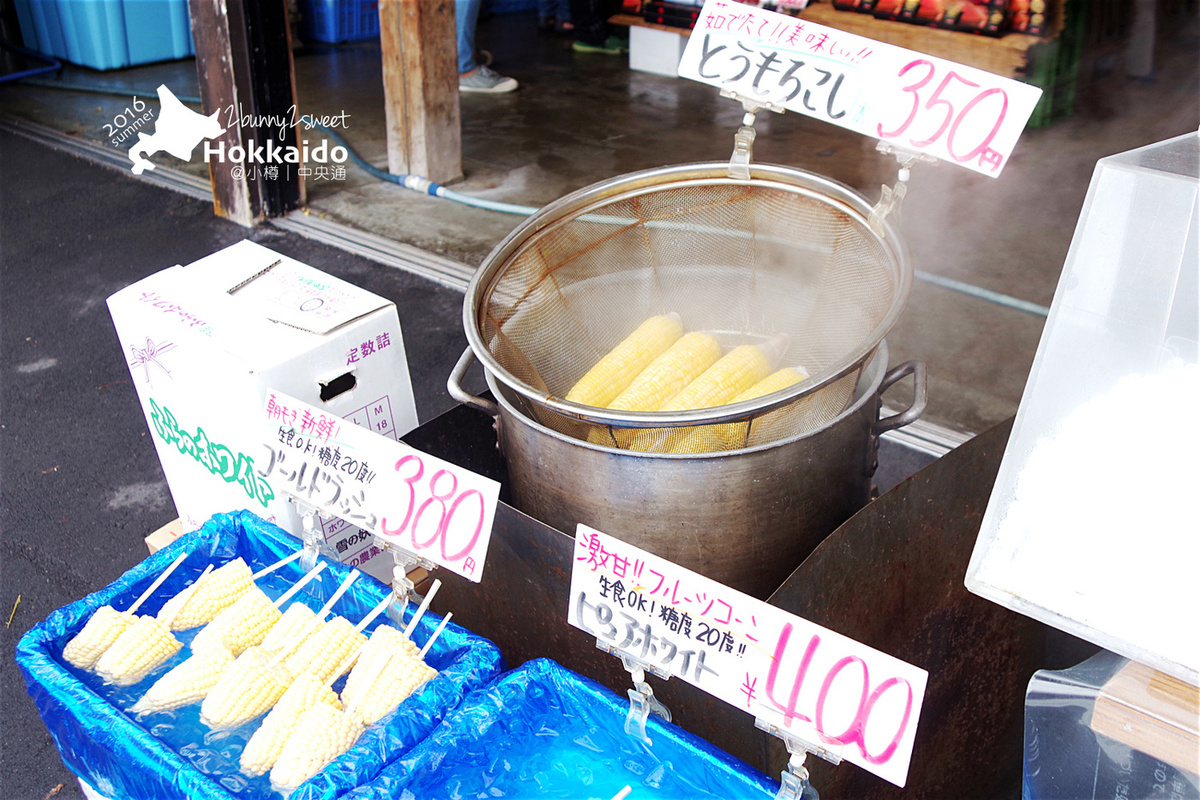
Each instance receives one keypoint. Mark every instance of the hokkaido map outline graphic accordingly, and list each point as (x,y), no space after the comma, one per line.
(177,131)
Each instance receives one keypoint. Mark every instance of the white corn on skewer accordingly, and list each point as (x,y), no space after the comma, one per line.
(295,623)
(143,646)
(311,642)
(286,643)
(218,591)
(258,679)
(387,639)
(385,687)
(295,626)
(106,624)
(324,654)
(245,691)
(185,684)
(246,623)
(323,733)
(264,747)
(191,681)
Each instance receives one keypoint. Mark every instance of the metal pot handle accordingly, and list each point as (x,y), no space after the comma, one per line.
(916,408)
(454,386)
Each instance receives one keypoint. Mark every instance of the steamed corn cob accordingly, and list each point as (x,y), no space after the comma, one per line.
(247,689)
(324,652)
(733,373)
(264,747)
(101,630)
(137,651)
(732,435)
(667,374)
(185,684)
(242,625)
(322,734)
(213,593)
(615,371)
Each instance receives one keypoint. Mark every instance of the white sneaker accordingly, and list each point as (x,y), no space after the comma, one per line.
(485,79)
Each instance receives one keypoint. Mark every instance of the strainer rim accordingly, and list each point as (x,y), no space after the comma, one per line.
(615,189)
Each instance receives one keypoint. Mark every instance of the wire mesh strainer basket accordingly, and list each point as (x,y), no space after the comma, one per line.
(785,252)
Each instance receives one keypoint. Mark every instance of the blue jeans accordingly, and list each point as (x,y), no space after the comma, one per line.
(466,13)
(557,9)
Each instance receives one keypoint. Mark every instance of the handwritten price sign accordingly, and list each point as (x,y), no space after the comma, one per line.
(957,113)
(428,506)
(822,686)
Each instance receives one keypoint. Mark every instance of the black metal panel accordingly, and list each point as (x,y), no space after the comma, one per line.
(891,577)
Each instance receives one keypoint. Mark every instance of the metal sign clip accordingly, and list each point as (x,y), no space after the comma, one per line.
(642,702)
(793,783)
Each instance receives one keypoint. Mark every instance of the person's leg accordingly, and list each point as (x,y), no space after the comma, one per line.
(466,13)
(591,24)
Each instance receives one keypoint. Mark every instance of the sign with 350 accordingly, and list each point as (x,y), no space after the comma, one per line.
(428,506)
(961,114)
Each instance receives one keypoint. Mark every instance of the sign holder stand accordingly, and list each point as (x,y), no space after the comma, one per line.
(405,561)
(793,783)
(642,702)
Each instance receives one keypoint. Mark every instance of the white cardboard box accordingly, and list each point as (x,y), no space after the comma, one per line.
(205,342)
(657,51)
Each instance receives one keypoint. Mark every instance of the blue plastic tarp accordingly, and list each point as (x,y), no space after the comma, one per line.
(542,731)
(170,754)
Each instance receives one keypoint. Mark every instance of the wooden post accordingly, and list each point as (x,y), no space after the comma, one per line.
(420,88)
(244,61)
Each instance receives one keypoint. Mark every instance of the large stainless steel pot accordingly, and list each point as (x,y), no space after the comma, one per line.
(746,517)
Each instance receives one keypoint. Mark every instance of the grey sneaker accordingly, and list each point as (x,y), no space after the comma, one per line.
(485,79)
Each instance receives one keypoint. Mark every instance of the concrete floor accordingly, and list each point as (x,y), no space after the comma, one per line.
(578,119)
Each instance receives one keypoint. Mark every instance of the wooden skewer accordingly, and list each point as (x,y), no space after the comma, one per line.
(317,619)
(373,613)
(436,633)
(300,584)
(159,581)
(281,563)
(412,624)
(191,590)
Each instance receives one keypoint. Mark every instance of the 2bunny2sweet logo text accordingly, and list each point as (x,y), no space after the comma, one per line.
(178,130)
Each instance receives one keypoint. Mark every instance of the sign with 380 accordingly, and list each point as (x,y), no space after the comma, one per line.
(423,504)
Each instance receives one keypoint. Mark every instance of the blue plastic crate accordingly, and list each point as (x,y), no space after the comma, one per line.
(107,34)
(167,755)
(40,26)
(333,21)
(543,731)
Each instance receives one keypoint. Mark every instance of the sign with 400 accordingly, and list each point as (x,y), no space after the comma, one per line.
(428,506)
(810,681)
